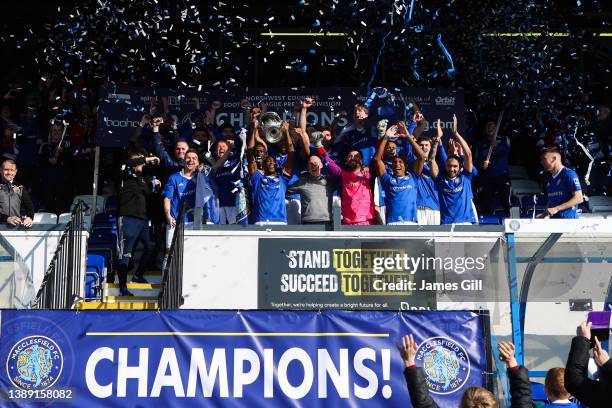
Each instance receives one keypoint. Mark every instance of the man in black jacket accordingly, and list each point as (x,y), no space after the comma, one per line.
(133,196)
(14,198)
(590,392)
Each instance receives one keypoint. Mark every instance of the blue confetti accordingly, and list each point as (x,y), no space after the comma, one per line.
(451,70)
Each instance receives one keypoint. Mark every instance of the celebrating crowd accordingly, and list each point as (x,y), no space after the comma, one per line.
(378,168)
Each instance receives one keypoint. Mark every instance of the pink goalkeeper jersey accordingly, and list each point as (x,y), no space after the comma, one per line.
(357,200)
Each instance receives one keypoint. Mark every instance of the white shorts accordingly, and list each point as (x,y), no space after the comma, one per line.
(428,216)
(402,223)
(170,233)
(294,211)
(382,212)
(270,223)
(228,215)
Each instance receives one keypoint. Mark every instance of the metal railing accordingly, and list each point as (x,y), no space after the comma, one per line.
(171,293)
(62,284)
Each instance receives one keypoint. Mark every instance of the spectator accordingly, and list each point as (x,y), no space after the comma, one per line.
(495,177)
(554,388)
(135,191)
(562,187)
(268,188)
(14,198)
(592,393)
(316,190)
(400,188)
(518,376)
(179,189)
(55,160)
(455,186)
(357,198)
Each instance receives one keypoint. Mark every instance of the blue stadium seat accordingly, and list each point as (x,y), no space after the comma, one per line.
(111,204)
(104,242)
(489,219)
(514,201)
(103,236)
(96,262)
(537,392)
(94,274)
(105,219)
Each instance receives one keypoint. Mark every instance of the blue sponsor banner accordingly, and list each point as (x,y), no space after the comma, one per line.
(121,108)
(227,358)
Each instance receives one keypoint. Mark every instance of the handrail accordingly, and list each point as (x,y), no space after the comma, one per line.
(61,286)
(171,292)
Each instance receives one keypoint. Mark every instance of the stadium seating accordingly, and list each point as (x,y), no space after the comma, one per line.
(88,200)
(63,218)
(489,220)
(45,218)
(518,172)
(95,272)
(524,187)
(600,204)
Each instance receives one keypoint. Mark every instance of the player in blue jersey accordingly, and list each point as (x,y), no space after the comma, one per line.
(180,188)
(562,186)
(428,205)
(268,187)
(455,185)
(400,187)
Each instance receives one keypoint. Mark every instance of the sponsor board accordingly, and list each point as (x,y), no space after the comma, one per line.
(379,274)
(121,107)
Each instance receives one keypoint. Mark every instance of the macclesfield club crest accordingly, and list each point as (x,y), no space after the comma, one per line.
(446,364)
(34,363)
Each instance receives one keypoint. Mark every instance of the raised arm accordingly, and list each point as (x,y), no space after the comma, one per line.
(308,102)
(305,151)
(158,146)
(468,164)
(431,158)
(420,154)
(255,136)
(288,167)
(333,168)
(377,161)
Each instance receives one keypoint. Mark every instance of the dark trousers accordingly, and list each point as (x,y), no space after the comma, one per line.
(492,186)
(132,231)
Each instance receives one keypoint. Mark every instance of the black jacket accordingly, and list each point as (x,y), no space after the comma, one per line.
(520,388)
(135,191)
(417,388)
(590,392)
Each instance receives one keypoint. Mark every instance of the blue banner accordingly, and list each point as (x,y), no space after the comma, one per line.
(122,107)
(227,358)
